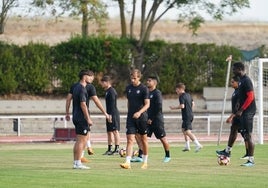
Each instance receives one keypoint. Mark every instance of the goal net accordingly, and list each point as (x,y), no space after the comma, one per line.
(258,72)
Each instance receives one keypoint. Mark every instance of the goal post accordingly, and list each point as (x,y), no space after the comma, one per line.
(258,72)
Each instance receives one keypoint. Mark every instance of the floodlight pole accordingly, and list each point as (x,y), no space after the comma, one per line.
(229,59)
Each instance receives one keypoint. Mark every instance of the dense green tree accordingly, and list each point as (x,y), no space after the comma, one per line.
(90,10)
(189,12)
(5,7)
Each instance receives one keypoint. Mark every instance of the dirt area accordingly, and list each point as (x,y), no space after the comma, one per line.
(244,35)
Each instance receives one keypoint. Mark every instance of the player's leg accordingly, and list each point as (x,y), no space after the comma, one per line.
(130,141)
(160,133)
(250,144)
(186,138)
(109,143)
(79,147)
(116,136)
(198,146)
(129,150)
(142,132)
(231,139)
(165,144)
(144,141)
(140,146)
(188,132)
(83,158)
(130,134)
(247,153)
(232,136)
(80,143)
(187,141)
(88,146)
(247,120)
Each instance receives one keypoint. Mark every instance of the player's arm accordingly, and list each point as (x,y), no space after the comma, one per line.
(97,102)
(180,106)
(84,108)
(193,104)
(67,106)
(143,109)
(230,118)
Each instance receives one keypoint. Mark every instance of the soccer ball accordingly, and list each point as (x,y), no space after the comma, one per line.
(223,160)
(122,152)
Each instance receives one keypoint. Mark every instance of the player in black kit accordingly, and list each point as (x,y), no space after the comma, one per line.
(138,103)
(155,116)
(113,126)
(246,112)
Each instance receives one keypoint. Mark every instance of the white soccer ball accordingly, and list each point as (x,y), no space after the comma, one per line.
(122,152)
(223,160)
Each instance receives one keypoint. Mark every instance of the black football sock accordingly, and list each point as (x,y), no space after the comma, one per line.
(167,153)
(116,148)
(140,153)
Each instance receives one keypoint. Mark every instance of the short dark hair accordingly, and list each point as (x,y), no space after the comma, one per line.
(136,71)
(239,65)
(106,78)
(85,72)
(154,77)
(180,86)
(236,78)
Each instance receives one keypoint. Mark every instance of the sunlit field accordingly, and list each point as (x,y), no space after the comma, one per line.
(34,165)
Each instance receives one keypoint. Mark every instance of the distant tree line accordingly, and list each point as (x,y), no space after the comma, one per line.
(39,69)
(187,12)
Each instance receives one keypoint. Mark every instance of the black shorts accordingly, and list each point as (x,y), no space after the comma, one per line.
(187,125)
(115,125)
(235,124)
(137,125)
(157,127)
(246,122)
(81,127)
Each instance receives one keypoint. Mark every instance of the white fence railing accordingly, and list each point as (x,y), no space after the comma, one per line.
(33,124)
(17,120)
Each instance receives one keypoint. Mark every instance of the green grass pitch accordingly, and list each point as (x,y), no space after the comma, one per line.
(38,165)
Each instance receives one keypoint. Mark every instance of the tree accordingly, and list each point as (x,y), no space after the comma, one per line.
(88,9)
(5,8)
(189,12)
(122,18)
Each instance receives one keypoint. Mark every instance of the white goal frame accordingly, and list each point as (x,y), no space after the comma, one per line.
(256,69)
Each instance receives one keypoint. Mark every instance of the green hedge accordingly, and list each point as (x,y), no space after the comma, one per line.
(8,67)
(41,69)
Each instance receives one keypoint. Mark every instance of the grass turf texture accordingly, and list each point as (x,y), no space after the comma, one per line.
(37,165)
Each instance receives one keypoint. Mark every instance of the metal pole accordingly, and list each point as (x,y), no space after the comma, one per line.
(229,59)
(18,133)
